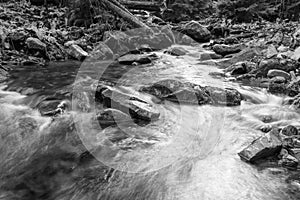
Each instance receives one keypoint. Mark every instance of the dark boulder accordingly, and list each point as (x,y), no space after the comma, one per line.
(287,160)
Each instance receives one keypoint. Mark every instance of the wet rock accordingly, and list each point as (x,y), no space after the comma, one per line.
(240,68)
(224,50)
(262,147)
(209,55)
(163,88)
(276,72)
(137,58)
(77,52)
(176,51)
(196,31)
(35,44)
(111,117)
(226,97)
(188,96)
(286,160)
(130,105)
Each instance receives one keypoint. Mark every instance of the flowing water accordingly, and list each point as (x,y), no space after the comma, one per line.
(190,153)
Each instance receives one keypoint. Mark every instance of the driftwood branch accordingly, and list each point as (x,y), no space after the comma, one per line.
(119,9)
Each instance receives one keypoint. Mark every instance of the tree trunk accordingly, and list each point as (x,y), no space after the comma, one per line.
(141,5)
(119,9)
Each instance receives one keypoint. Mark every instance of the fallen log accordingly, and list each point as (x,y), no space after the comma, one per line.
(141,5)
(119,9)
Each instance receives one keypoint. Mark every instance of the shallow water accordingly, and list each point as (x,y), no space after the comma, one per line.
(189,153)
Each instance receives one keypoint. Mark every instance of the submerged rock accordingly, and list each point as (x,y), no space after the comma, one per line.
(262,147)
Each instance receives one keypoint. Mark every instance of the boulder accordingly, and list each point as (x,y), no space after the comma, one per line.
(77,52)
(17,39)
(224,49)
(276,72)
(262,147)
(129,104)
(35,44)
(226,97)
(196,31)
(137,58)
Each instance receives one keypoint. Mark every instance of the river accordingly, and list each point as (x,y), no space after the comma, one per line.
(190,153)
